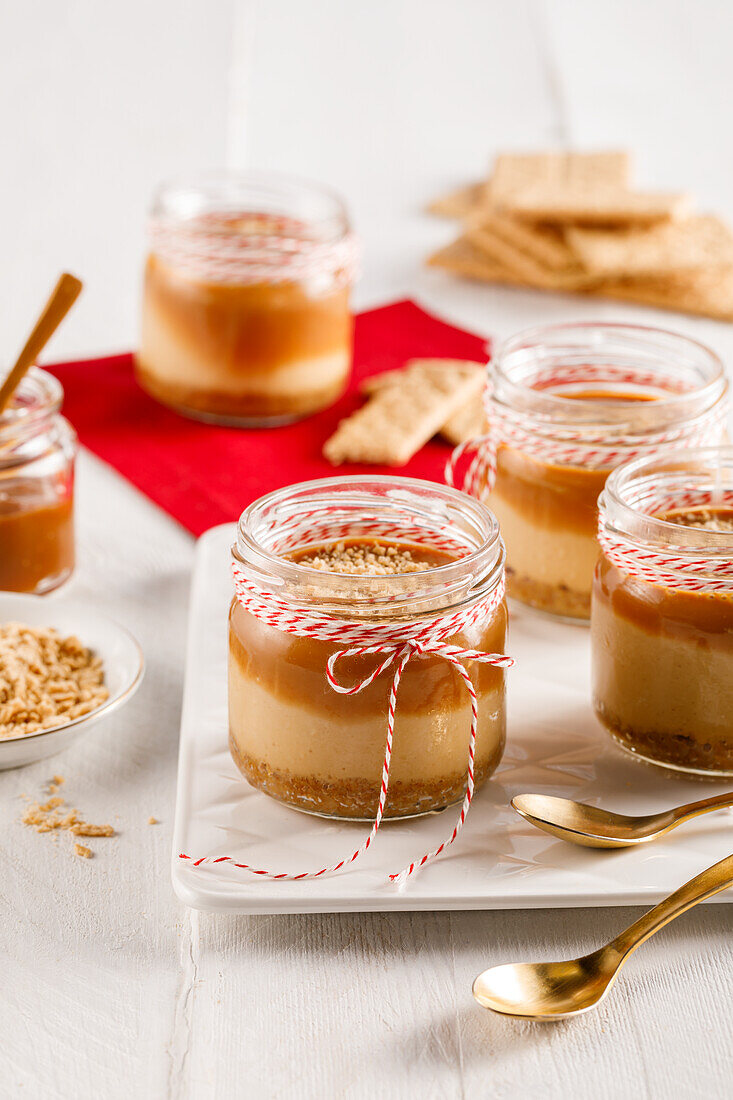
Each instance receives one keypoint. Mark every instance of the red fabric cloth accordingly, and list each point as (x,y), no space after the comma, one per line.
(203,475)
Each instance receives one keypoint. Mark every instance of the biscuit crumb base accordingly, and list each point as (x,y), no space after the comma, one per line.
(85,853)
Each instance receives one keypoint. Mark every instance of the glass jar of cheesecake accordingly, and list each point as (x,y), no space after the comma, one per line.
(662,610)
(37,452)
(402,558)
(246,317)
(566,405)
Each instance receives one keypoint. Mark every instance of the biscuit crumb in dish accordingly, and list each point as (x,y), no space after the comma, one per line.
(46,681)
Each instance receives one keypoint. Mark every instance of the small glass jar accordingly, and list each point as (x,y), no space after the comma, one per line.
(662,610)
(246,316)
(293,736)
(568,403)
(37,452)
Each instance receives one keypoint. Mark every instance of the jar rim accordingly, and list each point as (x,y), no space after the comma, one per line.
(39,396)
(634,484)
(460,581)
(568,414)
(188,198)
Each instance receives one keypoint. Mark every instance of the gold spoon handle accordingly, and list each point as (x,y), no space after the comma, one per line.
(702,886)
(692,809)
(63,296)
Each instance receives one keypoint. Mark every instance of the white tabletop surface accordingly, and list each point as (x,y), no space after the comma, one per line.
(110,988)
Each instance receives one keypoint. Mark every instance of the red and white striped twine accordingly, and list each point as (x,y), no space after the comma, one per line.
(283,253)
(397,643)
(677,567)
(545,440)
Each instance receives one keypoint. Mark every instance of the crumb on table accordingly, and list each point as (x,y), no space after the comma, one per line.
(81,850)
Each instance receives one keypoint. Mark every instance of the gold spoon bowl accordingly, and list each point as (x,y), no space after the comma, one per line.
(592,827)
(555,990)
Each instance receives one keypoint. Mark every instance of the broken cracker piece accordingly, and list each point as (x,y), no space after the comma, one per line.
(85,828)
(399,419)
(84,852)
(467,423)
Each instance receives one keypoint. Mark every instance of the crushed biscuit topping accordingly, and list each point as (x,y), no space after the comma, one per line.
(45,681)
(709,519)
(377,559)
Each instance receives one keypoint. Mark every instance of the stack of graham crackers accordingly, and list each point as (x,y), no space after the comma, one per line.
(572,222)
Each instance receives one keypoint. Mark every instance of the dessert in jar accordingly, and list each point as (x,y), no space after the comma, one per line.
(246,316)
(662,611)
(565,405)
(407,562)
(37,451)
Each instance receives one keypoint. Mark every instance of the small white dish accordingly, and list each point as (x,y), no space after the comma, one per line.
(121,655)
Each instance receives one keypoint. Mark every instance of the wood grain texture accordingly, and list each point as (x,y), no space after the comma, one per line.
(110,989)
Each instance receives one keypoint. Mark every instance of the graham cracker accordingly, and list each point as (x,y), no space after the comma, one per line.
(432,367)
(467,423)
(515,257)
(703,242)
(573,205)
(707,293)
(544,243)
(462,257)
(461,202)
(514,172)
(400,418)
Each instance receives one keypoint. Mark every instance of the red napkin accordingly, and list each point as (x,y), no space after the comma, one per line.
(203,475)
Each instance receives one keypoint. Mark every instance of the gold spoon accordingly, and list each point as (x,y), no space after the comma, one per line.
(552,991)
(63,296)
(596,828)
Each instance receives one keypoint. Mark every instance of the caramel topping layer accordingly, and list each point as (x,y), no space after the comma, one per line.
(702,617)
(558,495)
(253,327)
(564,497)
(293,668)
(370,557)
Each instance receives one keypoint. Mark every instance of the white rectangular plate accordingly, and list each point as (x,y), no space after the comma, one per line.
(554,746)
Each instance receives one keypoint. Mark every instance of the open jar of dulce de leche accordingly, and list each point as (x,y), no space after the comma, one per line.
(662,610)
(347,591)
(246,316)
(566,404)
(37,452)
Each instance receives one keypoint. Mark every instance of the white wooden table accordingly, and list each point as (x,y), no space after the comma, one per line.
(109,988)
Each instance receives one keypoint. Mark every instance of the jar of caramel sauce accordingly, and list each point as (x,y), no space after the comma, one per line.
(567,405)
(294,737)
(37,452)
(246,317)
